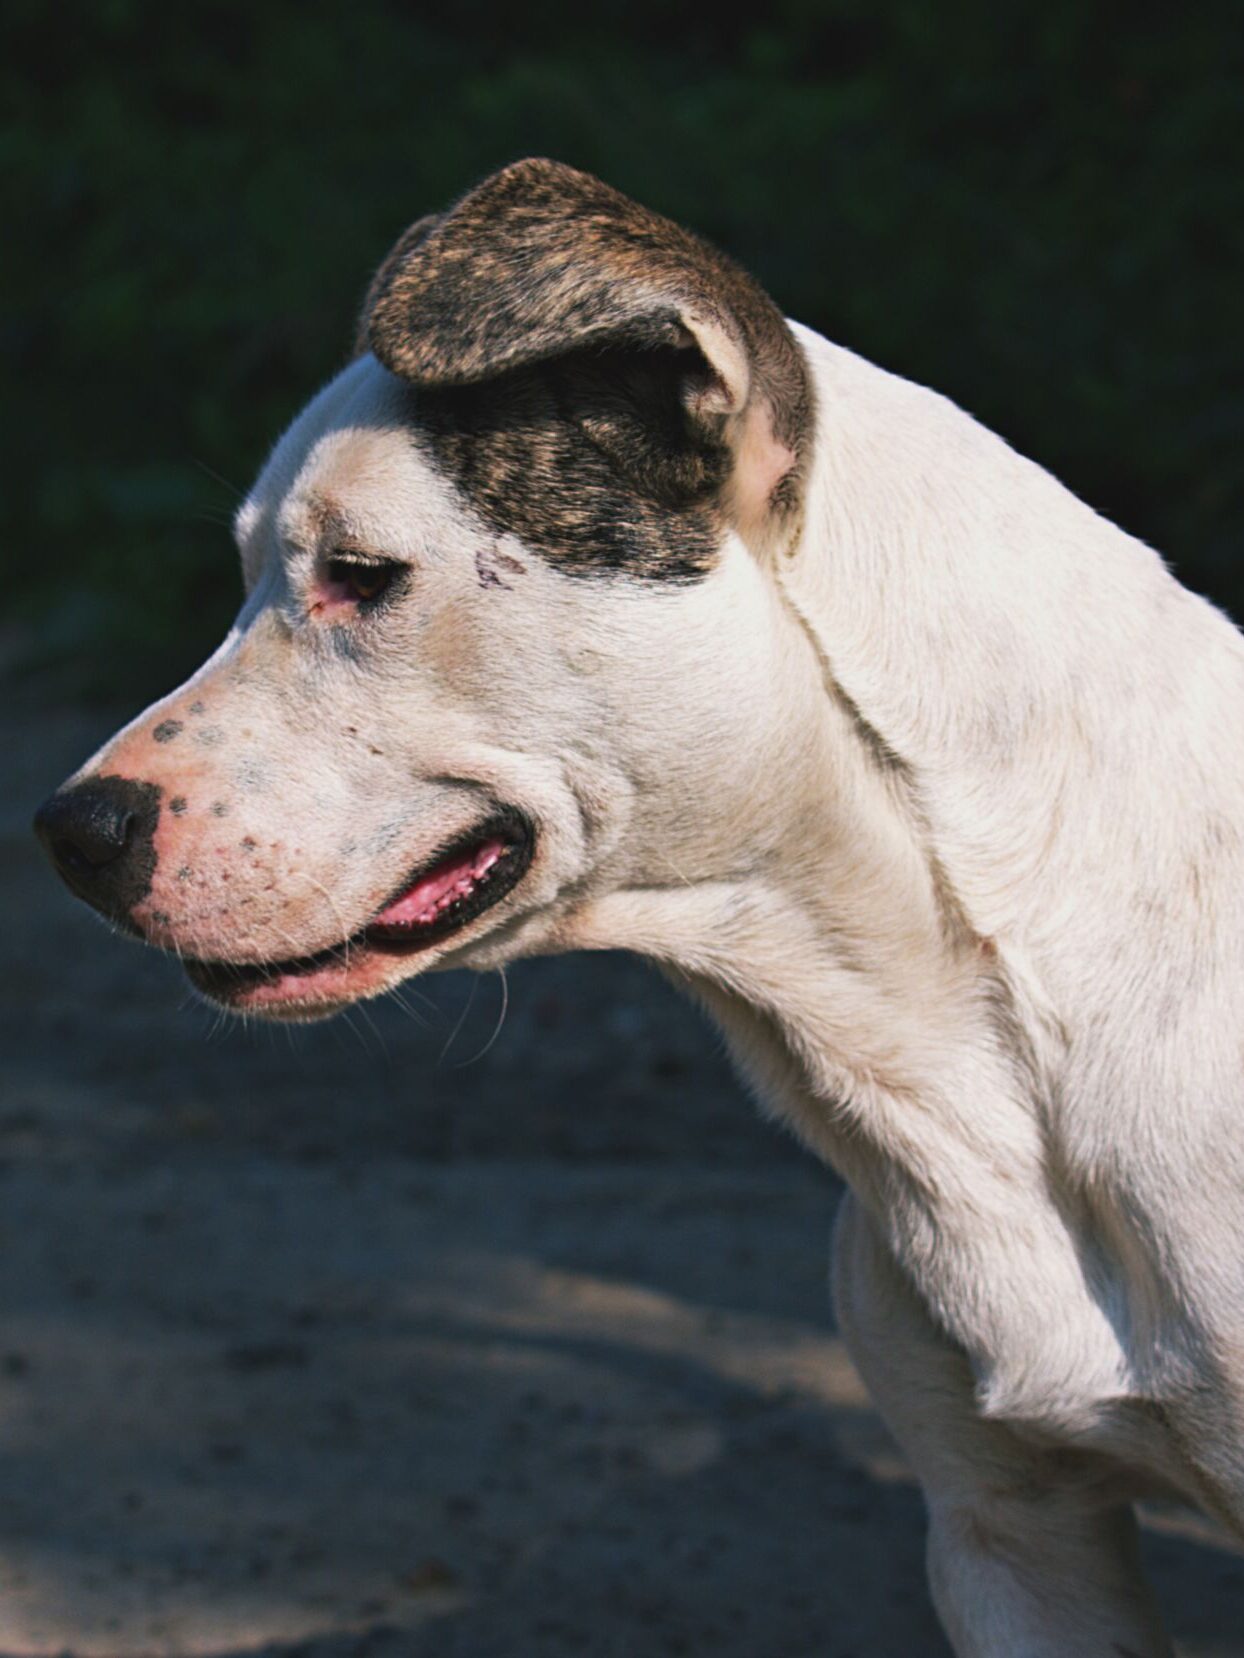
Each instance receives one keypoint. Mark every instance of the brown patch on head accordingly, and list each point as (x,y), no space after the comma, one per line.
(521,448)
(587,368)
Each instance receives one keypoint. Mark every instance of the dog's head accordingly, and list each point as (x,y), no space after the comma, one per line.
(508,643)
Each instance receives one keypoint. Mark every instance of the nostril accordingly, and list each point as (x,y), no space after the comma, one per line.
(91,847)
(85,828)
(104,824)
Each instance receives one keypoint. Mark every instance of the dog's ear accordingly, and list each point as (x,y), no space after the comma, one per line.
(540,262)
(405,245)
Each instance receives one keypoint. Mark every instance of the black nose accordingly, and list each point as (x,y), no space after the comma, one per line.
(100,835)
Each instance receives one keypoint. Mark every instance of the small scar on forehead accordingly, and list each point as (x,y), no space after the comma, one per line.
(486,561)
(167,730)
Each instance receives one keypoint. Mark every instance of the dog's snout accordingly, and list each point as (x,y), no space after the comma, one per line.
(85,828)
(100,836)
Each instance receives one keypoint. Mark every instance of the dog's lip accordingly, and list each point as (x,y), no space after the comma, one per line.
(507,837)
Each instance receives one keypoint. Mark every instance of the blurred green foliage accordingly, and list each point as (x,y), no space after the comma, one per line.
(1035,209)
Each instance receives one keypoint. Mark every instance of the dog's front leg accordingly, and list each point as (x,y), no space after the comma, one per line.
(1027,1557)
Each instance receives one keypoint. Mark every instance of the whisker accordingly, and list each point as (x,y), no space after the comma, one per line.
(395,992)
(354,1030)
(217,478)
(505,1003)
(461,1020)
(666,859)
(365,1014)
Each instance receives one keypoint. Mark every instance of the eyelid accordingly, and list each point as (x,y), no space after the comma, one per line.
(360,555)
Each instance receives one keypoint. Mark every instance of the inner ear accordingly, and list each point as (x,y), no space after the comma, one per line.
(651,413)
(726,373)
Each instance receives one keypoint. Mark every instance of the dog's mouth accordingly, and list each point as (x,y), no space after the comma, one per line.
(443,897)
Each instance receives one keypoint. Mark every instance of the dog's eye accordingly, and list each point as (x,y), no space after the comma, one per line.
(359,583)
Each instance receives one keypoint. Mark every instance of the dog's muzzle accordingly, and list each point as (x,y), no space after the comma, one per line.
(100,835)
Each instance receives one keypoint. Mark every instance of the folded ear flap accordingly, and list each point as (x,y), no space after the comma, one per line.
(540,261)
(405,245)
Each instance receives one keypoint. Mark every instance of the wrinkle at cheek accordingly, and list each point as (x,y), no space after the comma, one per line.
(385,838)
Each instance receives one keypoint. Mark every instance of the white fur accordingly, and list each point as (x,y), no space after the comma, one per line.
(938,809)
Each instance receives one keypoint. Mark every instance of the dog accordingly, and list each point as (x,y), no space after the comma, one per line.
(594,605)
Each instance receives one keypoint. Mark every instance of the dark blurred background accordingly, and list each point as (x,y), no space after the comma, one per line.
(1038,210)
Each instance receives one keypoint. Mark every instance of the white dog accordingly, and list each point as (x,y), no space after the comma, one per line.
(595,606)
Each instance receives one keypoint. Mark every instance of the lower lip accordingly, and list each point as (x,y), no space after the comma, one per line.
(358,974)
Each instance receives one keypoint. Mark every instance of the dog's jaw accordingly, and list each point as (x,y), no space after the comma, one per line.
(453,895)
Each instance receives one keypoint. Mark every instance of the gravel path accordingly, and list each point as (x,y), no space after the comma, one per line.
(426,1337)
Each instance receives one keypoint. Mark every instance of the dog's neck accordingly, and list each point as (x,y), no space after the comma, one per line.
(870,1019)
(873,979)
(851,940)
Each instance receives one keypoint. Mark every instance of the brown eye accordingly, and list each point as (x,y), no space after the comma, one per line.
(357,582)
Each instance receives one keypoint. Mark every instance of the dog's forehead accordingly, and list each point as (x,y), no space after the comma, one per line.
(350,460)
(405,469)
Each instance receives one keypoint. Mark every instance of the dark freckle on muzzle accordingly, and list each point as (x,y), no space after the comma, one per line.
(167,730)
(219,809)
(177,805)
(211,736)
(198,708)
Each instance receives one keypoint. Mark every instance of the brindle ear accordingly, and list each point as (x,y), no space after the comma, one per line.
(405,245)
(540,261)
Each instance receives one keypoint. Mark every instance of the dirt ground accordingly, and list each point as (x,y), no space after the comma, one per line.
(439,1335)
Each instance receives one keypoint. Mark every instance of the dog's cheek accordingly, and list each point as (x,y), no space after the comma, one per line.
(225,887)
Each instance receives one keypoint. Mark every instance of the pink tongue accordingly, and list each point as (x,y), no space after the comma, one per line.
(436,891)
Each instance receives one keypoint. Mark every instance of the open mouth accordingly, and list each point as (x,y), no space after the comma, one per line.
(443,897)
